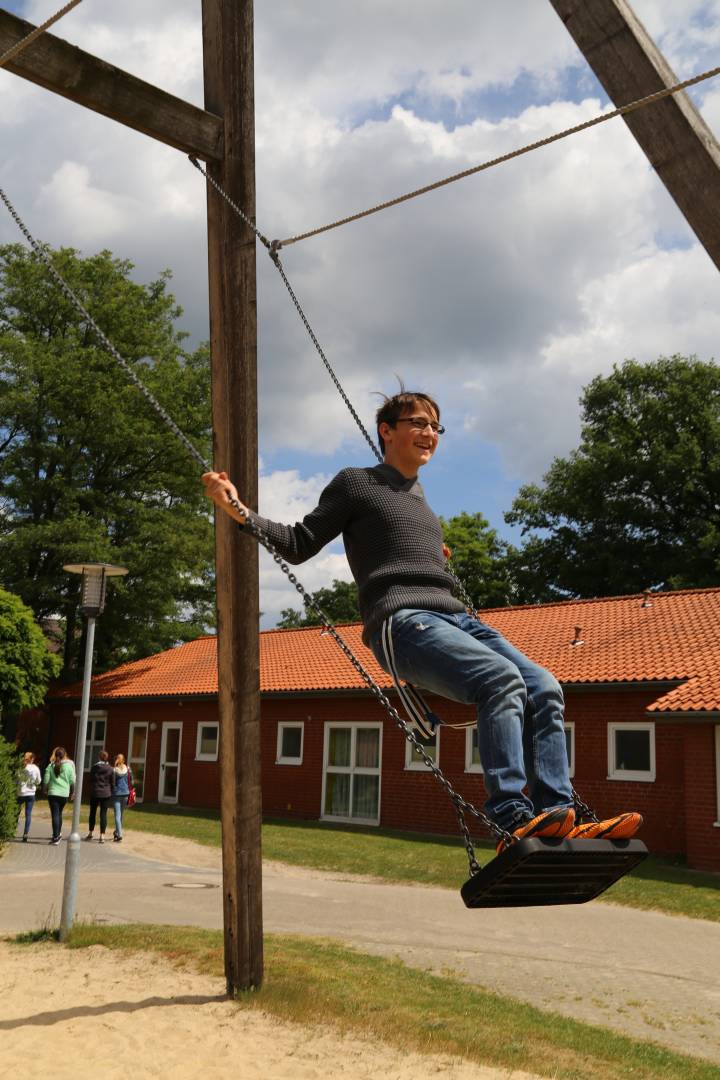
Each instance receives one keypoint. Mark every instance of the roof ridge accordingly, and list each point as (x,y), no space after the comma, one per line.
(606,599)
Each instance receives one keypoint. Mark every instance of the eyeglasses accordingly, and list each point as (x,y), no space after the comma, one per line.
(419,423)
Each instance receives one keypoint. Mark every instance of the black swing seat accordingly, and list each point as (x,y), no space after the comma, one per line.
(535,872)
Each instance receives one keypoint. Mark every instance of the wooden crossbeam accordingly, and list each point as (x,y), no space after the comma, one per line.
(55,65)
(676,140)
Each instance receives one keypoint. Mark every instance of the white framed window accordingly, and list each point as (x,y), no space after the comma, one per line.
(631,751)
(137,754)
(430,745)
(570,745)
(351,772)
(717,771)
(290,739)
(95,736)
(206,747)
(472,750)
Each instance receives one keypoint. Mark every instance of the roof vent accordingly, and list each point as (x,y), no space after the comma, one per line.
(646,602)
(578,639)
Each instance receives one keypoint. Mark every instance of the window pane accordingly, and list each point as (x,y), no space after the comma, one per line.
(365,797)
(172,745)
(475,759)
(291,740)
(208,739)
(100,731)
(367,748)
(139,739)
(339,749)
(632,750)
(430,746)
(568,744)
(87,764)
(138,772)
(337,794)
(171,779)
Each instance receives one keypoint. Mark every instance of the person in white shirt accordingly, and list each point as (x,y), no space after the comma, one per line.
(29,780)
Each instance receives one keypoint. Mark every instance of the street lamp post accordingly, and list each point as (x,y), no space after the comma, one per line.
(94,580)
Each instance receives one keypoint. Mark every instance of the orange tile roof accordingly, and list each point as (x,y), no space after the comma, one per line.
(665,637)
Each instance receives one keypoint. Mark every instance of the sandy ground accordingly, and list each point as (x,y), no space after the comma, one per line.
(104,1015)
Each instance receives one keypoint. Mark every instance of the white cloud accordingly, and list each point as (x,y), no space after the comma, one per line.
(502,294)
(287,497)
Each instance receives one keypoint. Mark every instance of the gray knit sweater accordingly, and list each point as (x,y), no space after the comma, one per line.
(393,542)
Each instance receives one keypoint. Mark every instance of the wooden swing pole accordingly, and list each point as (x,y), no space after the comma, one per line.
(229,93)
(223,136)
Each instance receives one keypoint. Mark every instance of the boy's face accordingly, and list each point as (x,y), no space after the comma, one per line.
(411,442)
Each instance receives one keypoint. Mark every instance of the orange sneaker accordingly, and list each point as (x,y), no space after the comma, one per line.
(621,827)
(551,823)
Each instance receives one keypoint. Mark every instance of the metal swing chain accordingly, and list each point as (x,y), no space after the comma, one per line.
(461,805)
(273,252)
(273,249)
(41,251)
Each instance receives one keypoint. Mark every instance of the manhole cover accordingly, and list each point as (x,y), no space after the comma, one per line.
(190,885)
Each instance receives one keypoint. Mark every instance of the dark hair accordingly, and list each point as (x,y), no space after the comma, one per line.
(103,755)
(59,755)
(396,406)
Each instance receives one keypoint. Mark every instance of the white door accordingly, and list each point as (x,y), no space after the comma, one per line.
(169,784)
(137,751)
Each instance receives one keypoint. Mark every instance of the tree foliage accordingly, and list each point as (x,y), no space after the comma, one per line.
(88,473)
(637,504)
(26,666)
(479,559)
(9,766)
(339,602)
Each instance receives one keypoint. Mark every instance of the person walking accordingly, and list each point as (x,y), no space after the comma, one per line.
(29,780)
(121,784)
(59,784)
(101,790)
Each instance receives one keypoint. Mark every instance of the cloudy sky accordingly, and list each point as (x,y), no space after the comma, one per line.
(502,295)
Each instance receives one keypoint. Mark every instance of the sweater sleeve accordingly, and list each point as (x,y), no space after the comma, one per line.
(299,542)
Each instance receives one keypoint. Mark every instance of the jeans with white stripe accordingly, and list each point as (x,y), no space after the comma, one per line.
(521,734)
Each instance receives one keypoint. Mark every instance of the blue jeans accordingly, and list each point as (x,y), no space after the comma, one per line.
(28,801)
(520,708)
(119,803)
(57,804)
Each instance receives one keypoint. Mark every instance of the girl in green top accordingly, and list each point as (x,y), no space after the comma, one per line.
(59,782)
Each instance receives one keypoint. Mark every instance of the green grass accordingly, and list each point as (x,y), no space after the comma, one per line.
(658,884)
(317,982)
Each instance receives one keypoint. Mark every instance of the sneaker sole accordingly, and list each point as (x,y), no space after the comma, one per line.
(553,824)
(622,827)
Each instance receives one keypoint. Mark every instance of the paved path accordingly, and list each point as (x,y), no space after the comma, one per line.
(650,975)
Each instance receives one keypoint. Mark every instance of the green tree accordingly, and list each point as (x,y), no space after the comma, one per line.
(339,602)
(26,666)
(9,766)
(88,472)
(637,504)
(479,559)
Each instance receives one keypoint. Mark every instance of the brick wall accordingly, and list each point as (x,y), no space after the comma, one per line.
(679,807)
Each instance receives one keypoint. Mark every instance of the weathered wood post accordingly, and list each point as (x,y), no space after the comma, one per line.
(678,143)
(229,93)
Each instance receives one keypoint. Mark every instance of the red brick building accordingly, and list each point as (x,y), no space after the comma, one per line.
(641,676)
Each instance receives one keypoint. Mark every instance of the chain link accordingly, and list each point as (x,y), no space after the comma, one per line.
(41,251)
(461,805)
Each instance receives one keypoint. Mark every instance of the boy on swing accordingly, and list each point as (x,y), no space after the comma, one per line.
(421,633)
